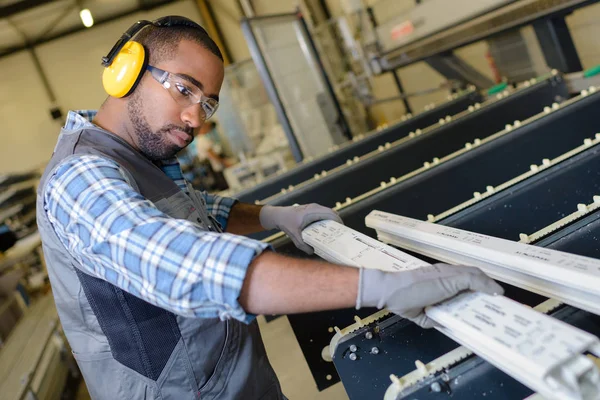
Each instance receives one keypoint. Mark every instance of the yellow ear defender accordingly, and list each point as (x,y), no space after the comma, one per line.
(126,62)
(122,75)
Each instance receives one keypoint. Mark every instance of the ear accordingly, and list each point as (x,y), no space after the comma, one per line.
(122,76)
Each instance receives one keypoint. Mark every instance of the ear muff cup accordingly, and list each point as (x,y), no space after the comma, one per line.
(123,74)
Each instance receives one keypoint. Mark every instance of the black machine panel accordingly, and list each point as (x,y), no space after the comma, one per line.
(538,201)
(451,183)
(580,237)
(493,163)
(409,156)
(399,344)
(524,208)
(307,170)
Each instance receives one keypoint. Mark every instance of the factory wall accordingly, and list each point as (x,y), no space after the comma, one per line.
(72,65)
(27,133)
(585,30)
(228,15)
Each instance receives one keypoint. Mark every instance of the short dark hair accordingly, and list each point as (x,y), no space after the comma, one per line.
(162,42)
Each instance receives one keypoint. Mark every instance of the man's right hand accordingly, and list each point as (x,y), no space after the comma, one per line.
(407,293)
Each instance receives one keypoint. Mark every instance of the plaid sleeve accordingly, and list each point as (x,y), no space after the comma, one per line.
(219,207)
(117,235)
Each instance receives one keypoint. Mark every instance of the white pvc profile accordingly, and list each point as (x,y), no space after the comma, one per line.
(539,351)
(442,363)
(569,278)
(339,244)
(342,245)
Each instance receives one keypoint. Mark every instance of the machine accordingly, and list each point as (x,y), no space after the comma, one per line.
(519,205)
(17,203)
(467,181)
(431,17)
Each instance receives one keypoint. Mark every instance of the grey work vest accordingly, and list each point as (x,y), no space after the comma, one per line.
(127,348)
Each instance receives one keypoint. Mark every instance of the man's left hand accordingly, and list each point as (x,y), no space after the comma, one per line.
(292,220)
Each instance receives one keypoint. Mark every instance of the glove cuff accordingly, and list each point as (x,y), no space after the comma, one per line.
(268,217)
(371,289)
(359,294)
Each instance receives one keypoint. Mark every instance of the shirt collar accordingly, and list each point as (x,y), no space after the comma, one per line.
(79,119)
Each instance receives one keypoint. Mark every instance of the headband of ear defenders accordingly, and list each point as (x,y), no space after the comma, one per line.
(171,20)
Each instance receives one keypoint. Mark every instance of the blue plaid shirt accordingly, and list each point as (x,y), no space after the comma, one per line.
(118,235)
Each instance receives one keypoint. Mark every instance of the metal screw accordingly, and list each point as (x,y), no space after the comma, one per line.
(436,387)
(374,350)
(353,356)
(353,348)
(369,335)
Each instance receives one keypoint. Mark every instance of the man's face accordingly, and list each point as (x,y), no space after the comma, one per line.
(161,125)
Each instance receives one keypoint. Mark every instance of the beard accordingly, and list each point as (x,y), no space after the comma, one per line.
(155,145)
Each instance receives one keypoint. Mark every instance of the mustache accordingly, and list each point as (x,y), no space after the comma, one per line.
(173,127)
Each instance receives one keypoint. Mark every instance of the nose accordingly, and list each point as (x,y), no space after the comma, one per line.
(193,116)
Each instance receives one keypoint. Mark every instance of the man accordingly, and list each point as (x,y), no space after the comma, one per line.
(206,151)
(155,290)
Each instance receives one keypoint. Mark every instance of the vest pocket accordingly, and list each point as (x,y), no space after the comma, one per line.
(213,380)
(108,379)
(177,379)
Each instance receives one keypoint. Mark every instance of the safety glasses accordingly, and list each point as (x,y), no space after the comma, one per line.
(183,91)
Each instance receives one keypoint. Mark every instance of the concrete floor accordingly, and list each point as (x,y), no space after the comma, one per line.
(289,364)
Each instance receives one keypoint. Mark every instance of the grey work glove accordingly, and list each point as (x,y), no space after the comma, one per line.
(292,220)
(407,293)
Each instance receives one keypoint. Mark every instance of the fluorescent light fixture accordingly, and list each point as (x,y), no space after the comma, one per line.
(86,17)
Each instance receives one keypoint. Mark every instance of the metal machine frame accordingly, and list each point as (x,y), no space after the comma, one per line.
(547,18)
(270,84)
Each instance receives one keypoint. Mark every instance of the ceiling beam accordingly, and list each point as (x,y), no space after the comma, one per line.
(20,6)
(158,3)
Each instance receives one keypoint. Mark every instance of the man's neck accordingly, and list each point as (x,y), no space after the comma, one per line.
(112,117)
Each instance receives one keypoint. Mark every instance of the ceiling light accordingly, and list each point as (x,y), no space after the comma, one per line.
(86,17)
